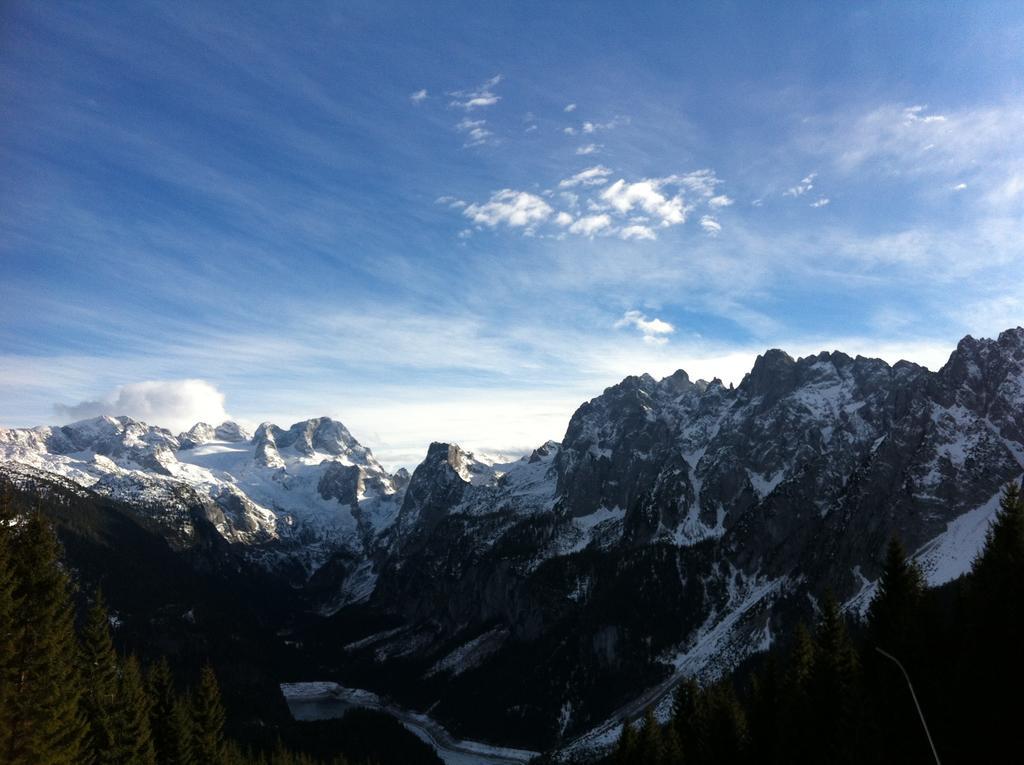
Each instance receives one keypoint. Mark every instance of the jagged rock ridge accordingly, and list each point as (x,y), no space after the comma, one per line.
(671,532)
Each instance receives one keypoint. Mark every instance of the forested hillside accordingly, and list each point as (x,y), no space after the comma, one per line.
(836,693)
(68,695)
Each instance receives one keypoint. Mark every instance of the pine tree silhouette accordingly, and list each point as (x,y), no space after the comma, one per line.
(208,719)
(100,678)
(135,738)
(47,726)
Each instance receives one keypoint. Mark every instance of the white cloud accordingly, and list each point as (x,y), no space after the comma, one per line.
(174,404)
(570,108)
(637,231)
(914,114)
(976,144)
(1007,190)
(646,195)
(653,330)
(960,187)
(419,96)
(589,225)
(450,202)
(569,130)
(711,226)
(801,188)
(592,176)
(590,148)
(477,97)
(702,182)
(513,208)
(630,210)
(593,127)
(820,202)
(475,130)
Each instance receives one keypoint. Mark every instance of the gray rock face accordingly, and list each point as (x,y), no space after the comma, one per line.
(678,521)
(436,486)
(341,482)
(787,485)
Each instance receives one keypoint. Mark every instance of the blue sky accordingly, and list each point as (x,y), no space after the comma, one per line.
(458,221)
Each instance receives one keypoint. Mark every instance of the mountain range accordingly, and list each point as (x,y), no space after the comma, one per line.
(678,528)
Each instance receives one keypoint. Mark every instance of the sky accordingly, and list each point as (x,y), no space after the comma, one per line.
(459,221)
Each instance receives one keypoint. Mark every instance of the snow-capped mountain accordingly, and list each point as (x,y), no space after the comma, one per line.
(282,496)
(679,526)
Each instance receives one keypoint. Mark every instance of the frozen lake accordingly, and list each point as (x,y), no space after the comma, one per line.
(325,701)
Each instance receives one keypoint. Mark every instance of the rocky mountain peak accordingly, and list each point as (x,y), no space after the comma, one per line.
(436,486)
(231,431)
(771,375)
(198,434)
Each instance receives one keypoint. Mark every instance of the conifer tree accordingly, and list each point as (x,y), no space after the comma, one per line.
(833,687)
(894,610)
(134,737)
(626,750)
(801,661)
(894,617)
(995,609)
(208,719)
(798,710)
(47,726)
(100,672)
(182,741)
(766,714)
(998,567)
(649,748)
(162,696)
(9,608)
(672,749)
(687,719)
(725,725)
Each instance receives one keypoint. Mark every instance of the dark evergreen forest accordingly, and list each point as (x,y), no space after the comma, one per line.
(70,696)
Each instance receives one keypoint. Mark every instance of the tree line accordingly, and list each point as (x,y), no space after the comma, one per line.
(67,697)
(836,695)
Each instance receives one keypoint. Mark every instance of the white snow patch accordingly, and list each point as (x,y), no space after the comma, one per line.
(951,553)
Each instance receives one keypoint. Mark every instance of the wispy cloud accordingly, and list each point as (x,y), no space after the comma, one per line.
(596,127)
(805,185)
(711,226)
(475,130)
(592,176)
(479,97)
(637,231)
(419,96)
(586,149)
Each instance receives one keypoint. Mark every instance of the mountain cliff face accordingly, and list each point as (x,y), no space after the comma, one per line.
(678,527)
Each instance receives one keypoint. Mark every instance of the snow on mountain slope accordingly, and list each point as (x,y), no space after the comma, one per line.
(322,492)
(651,530)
